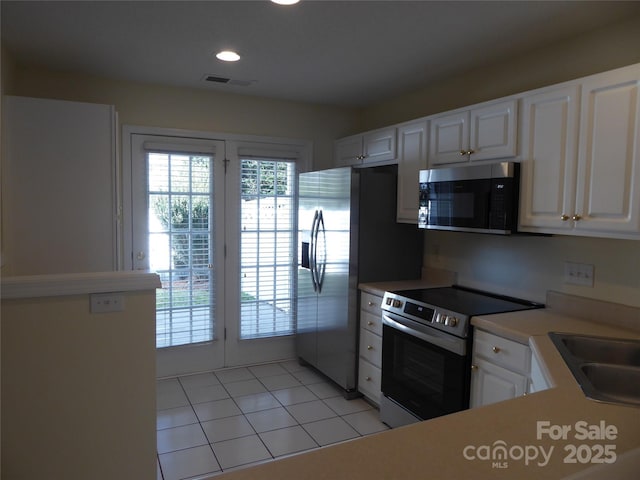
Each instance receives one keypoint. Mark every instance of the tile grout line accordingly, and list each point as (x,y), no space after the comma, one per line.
(244,415)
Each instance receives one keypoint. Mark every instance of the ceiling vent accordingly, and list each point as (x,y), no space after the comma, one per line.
(228,81)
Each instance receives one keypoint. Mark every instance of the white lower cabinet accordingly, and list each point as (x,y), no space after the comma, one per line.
(500,369)
(370,361)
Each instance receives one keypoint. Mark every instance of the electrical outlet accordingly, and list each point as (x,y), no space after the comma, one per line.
(578,274)
(107,302)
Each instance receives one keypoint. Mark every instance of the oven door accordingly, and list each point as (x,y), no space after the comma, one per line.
(424,370)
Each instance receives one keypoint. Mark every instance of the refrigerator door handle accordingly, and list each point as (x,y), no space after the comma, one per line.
(312,251)
(321,267)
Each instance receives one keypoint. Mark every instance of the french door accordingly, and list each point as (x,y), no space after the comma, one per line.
(216,220)
(178,204)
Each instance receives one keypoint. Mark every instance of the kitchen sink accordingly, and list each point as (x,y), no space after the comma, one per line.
(603,349)
(615,381)
(607,369)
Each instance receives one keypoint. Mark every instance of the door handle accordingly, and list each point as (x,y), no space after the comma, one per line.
(320,268)
(312,251)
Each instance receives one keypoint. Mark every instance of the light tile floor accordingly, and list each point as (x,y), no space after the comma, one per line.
(226,419)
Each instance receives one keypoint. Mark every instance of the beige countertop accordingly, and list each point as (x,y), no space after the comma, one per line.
(457,445)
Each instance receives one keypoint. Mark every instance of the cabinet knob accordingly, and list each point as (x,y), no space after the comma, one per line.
(369,323)
(564,217)
(463,152)
(469,152)
(576,217)
(474,367)
(369,347)
(495,349)
(368,379)
(371,304)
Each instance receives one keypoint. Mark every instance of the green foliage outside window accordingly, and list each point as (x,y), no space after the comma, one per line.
(191,249)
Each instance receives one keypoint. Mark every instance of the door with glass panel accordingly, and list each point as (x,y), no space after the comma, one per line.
(178,232)
(217,221)
(261,240)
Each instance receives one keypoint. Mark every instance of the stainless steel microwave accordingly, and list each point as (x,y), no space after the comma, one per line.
(470,198)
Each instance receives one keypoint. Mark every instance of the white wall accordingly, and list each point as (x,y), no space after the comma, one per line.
(195,109)
(78,397)
(602,49)
(529,266)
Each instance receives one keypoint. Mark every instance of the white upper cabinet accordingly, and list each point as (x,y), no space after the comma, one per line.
(59,186)
(412,157)
(580,175)
(480,133)
(608,187)
(378,146)
(549,154)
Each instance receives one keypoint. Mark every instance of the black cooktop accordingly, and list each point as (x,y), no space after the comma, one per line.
(467,301)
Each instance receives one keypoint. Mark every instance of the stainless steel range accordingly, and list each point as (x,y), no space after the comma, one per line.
(426,349)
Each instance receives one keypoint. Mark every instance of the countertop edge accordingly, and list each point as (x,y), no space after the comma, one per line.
(32,286)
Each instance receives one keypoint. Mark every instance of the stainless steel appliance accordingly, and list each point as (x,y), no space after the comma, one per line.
(348,234)
(426,349)
(475,198)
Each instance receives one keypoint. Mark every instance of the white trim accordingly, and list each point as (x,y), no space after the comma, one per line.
(32,286)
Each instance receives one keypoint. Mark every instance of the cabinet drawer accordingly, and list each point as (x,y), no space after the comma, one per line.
(371,322)
(371,303)
(369,381)
(371,347)
(501,351)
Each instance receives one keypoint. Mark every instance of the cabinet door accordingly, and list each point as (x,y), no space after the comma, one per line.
(59,186)
(379,146)
(492,131)
(538,379)
(491,383)
(448,138)
(348,151)
(412,157)
(549,156)
(608,189)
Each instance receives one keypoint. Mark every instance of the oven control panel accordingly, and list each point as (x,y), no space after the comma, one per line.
(434,316)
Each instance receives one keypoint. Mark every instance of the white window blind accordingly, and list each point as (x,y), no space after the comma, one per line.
(267,246)
(180,245)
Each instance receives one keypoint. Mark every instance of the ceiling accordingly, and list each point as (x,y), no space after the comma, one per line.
(348,53)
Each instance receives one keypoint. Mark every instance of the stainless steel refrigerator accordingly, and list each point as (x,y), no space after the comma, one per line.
(347,234)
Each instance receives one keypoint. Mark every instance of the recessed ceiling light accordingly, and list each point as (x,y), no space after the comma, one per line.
(228,56)
(285,2)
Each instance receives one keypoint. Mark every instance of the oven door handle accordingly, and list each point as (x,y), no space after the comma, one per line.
(430,335)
